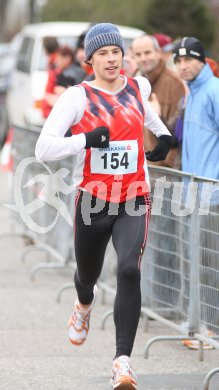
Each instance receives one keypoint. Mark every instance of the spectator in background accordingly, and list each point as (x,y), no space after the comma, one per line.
(178,129)
(201,121)
(66,74)
(129,64)
(51,46)
(167,90)
(200,157)
(213,65)
(73,73)
(80,57)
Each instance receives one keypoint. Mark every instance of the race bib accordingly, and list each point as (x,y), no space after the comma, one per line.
(120,158)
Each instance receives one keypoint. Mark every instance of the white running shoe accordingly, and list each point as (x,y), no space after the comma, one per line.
(79,322)
(123,378)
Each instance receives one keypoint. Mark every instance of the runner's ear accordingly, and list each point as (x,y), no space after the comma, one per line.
(88,62)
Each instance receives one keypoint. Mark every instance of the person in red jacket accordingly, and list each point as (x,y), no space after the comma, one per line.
(51,46)
(213,65)
(65,74)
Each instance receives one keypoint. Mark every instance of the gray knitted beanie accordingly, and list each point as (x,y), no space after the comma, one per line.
(102,34)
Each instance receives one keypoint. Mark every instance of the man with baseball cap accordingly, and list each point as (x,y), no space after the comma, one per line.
(200,150)
(107,116)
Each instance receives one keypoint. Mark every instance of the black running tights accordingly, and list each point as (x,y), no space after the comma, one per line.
(128,235)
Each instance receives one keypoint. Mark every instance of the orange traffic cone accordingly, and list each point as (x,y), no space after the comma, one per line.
(6,159)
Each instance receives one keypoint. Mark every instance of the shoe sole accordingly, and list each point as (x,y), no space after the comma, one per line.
(77,343)
(124,386)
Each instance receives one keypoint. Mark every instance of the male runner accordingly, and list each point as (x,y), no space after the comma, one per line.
(107,117)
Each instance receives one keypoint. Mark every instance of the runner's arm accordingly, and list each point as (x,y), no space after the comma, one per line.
(52,144)
(152,120)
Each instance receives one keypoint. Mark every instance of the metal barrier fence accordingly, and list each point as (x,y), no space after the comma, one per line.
(180,275)
(39,184)
(180,266)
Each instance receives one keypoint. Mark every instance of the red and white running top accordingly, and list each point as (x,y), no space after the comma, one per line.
(116,173)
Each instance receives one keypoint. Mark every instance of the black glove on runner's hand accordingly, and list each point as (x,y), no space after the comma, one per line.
(97,138)
(160,151)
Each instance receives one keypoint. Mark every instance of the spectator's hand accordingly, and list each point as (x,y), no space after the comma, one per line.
(161,150)
(98,138)
(154,102)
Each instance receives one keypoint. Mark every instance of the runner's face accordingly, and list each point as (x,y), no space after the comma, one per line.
(107,63)
(188,67)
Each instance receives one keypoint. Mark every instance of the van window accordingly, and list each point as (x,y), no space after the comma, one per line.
(25,55)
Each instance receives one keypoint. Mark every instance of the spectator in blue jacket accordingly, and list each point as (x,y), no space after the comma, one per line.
(200,150)
(200,156)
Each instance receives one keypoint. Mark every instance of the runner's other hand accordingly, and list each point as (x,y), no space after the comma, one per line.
(160,151)
(98,138)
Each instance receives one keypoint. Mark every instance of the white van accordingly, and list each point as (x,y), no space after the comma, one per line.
(30,76)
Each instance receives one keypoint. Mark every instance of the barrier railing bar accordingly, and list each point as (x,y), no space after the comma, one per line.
(208,378)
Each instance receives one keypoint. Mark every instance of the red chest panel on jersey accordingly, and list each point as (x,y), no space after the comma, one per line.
(117,173)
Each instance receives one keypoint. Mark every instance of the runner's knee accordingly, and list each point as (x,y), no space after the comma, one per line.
(128,271)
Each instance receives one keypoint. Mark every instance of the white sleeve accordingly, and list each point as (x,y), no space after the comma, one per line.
(152,120)
(52,144)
